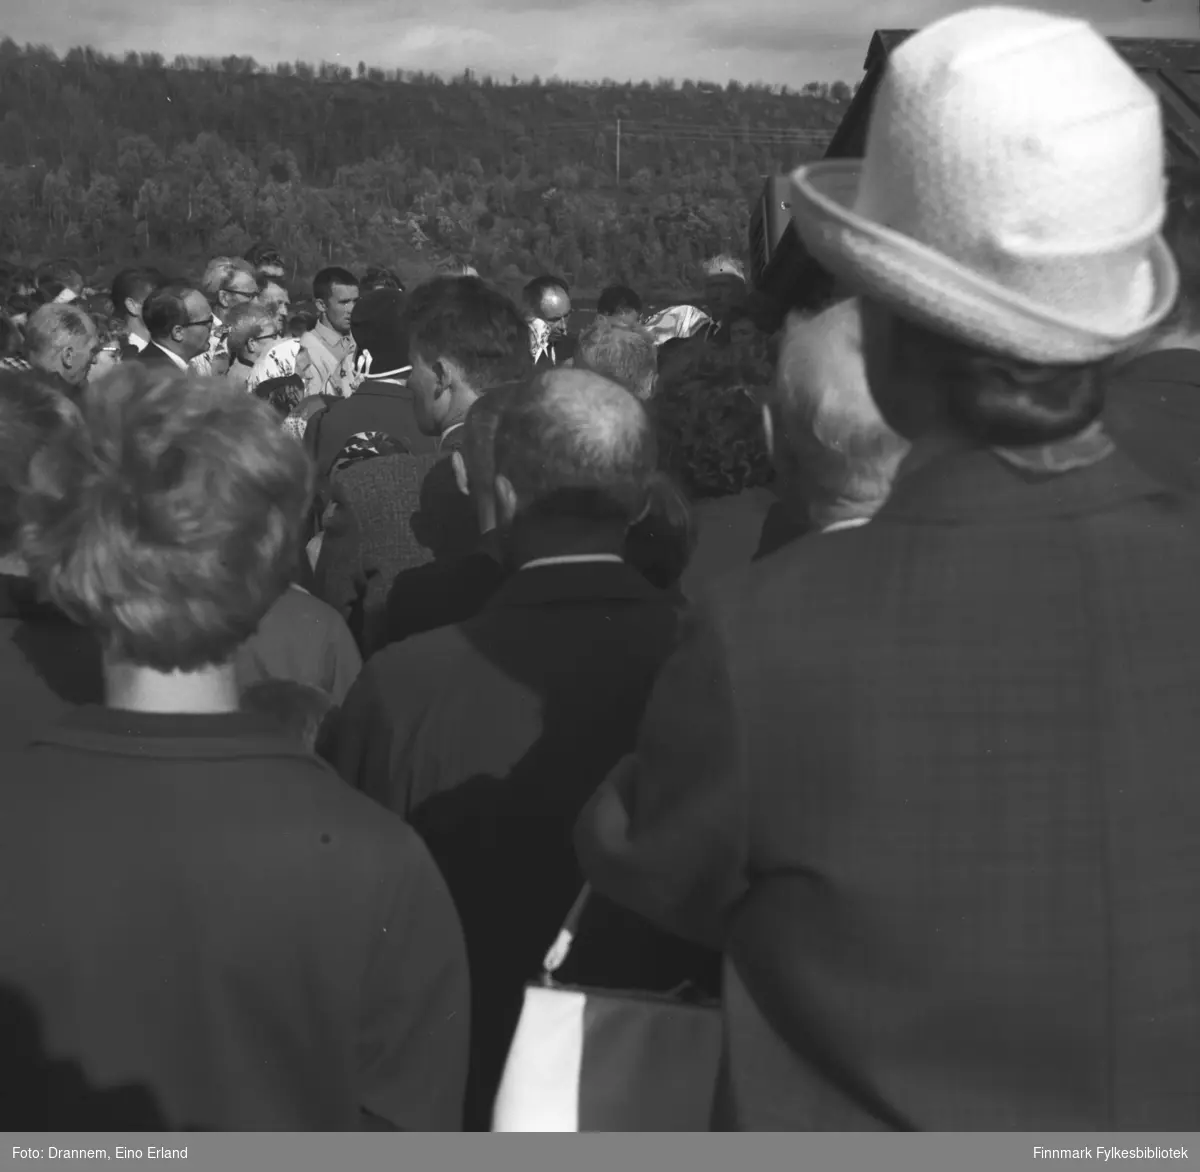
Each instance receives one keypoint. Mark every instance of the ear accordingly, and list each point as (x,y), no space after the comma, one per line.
(133,308)
(644,513)
(506,500)
(446,375)
(460,473)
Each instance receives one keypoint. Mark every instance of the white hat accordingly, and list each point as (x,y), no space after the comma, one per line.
(1012,192)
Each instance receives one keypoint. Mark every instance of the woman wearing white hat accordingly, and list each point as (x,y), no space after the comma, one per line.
(931,782)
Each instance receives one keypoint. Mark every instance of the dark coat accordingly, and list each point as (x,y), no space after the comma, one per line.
(48,665)
(206,912)
(375,406)
(932,785)
(393,513)
(1153,414)
(153,356)
(490,736)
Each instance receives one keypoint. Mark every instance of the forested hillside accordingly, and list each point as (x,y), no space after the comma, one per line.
(114,160)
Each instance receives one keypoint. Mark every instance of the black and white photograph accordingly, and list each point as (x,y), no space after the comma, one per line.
(599,566)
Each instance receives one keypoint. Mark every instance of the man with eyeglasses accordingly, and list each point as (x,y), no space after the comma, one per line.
(228,281)
(548,311)
(179,321)
(253,330)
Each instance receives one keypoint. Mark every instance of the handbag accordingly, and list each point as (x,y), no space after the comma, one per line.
(585,1059)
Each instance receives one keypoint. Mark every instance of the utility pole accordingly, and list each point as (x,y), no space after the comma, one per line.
(618,152)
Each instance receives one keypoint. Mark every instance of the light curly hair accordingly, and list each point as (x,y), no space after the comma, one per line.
(170,521)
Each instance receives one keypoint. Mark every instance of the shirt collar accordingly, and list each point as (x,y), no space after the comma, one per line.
(574,559)
(173,357)
(1078,451)
(849,523)
(331,337)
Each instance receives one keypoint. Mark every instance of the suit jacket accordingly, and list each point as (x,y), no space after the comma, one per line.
(931,783)
(559,351)
(153,356)
(490,736)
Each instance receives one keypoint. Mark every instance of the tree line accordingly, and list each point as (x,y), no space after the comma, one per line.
(115,160)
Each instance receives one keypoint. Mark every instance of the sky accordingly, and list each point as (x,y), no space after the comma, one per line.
(774,41)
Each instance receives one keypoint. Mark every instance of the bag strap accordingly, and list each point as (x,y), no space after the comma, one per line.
(561,948)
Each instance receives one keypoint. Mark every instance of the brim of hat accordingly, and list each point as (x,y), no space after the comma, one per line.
(923,284)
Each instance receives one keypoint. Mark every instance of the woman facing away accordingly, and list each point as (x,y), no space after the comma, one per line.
(205,911)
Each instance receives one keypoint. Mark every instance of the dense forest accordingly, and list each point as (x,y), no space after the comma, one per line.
(111,161)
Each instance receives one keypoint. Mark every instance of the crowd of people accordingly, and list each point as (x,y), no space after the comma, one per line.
(840,655)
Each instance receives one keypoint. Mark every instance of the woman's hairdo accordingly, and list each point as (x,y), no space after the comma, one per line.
(997,401)
(171,521)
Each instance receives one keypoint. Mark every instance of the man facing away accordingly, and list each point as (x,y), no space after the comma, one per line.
(492,734)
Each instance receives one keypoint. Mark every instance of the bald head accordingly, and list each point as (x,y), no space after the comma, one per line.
(834,439)
(573,444)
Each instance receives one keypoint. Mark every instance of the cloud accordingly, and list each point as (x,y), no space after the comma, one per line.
(776,41)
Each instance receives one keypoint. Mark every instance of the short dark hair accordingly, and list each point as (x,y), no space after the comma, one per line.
(618,299)
(135,284)
(32,415)
(378,324)
(262,255)
(171,521)
(473,325)
(325,280)
(166,308)
(380,278)
(998,401)
(575,444)
(537,289)
(302,317)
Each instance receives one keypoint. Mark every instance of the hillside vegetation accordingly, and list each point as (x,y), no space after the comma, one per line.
(111,161)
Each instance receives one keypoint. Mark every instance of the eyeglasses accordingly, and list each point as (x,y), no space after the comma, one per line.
(249,296)
(267,337)
(208,321)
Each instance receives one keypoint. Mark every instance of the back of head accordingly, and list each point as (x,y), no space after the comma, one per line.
(380,278)
(535,292)
(166,308)
(576,446)
(265,257)
(171,521)
(618,299)
(842,454)
(300,710)
(625,354)
(134,285)
(473,325)
(302,317)
(379,328)
(32,415)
